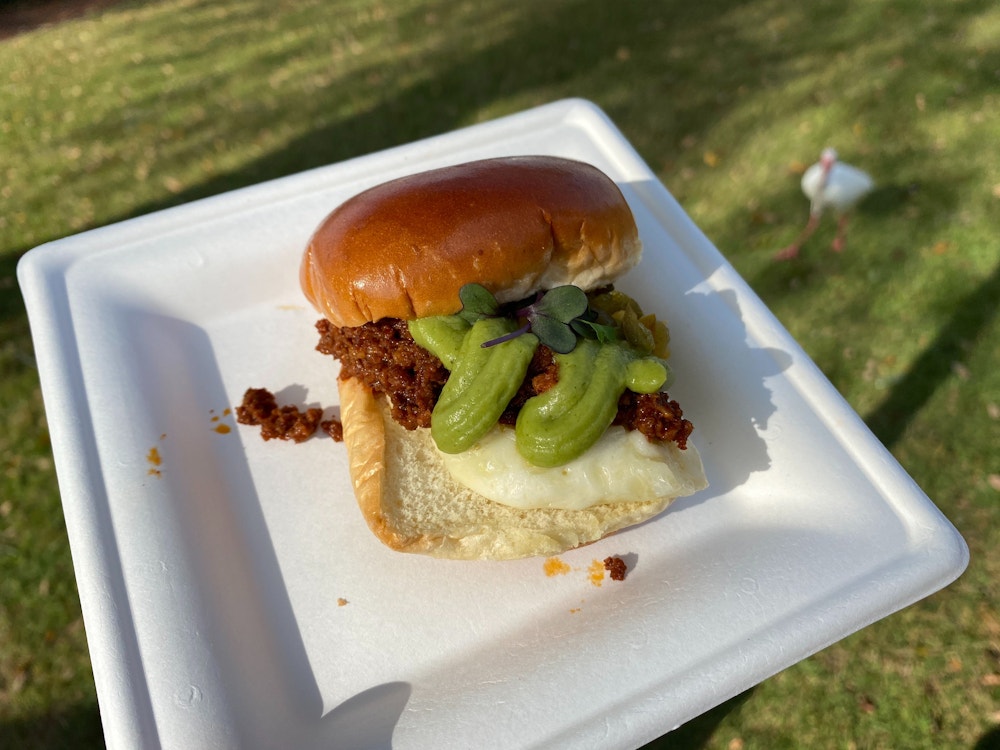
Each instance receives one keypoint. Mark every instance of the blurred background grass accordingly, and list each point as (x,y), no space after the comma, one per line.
(133,107)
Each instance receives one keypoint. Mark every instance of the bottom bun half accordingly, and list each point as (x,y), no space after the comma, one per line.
(412,504)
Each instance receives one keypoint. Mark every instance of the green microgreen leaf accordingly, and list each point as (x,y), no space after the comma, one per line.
(477,303)
(557,317)
(604,334)
(563,303)
(556,335)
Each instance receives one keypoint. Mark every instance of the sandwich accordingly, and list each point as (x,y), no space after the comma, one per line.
(499,397)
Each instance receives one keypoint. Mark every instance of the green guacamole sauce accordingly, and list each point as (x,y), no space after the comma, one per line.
(553,427)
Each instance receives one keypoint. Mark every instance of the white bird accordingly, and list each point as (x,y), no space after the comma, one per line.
(830,184)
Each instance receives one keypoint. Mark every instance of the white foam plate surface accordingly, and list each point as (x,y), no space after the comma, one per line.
(233,596)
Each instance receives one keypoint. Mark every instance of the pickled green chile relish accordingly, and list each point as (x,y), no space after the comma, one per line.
(488,349)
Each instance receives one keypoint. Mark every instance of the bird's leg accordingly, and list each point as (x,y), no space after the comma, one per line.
(841,239)
(792,251)
(788,253)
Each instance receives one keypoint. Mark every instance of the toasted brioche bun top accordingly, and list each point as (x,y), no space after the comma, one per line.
(516,225)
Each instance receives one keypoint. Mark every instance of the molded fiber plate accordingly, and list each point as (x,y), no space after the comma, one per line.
(233,596)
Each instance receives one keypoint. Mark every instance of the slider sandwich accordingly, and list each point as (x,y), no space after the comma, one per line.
(499,397)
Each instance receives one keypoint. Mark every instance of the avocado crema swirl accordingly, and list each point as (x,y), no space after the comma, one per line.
(553,427)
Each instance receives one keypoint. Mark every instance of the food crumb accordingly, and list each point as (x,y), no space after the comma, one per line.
(155,460)
(260,408)
(596,572)
(334,428)
(341,602)
(554,566)
(218,426)
(616,567)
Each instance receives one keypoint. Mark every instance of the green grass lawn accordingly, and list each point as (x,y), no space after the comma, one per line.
(147,105)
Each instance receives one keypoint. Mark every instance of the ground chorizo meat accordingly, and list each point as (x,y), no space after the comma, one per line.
(543,373)
(334,428)
(385,357)
(655,415)
(259,407)
(616,567)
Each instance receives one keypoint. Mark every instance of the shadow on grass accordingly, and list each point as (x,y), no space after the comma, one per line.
(77,726)
(971,315)
(886,200)
(21,16)
(989,741)
(697,732)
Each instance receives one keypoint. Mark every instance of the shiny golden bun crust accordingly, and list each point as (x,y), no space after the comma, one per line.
(516,225)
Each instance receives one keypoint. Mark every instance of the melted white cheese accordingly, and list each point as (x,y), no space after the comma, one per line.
(621,467)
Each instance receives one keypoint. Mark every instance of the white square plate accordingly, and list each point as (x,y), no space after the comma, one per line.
(234,598)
